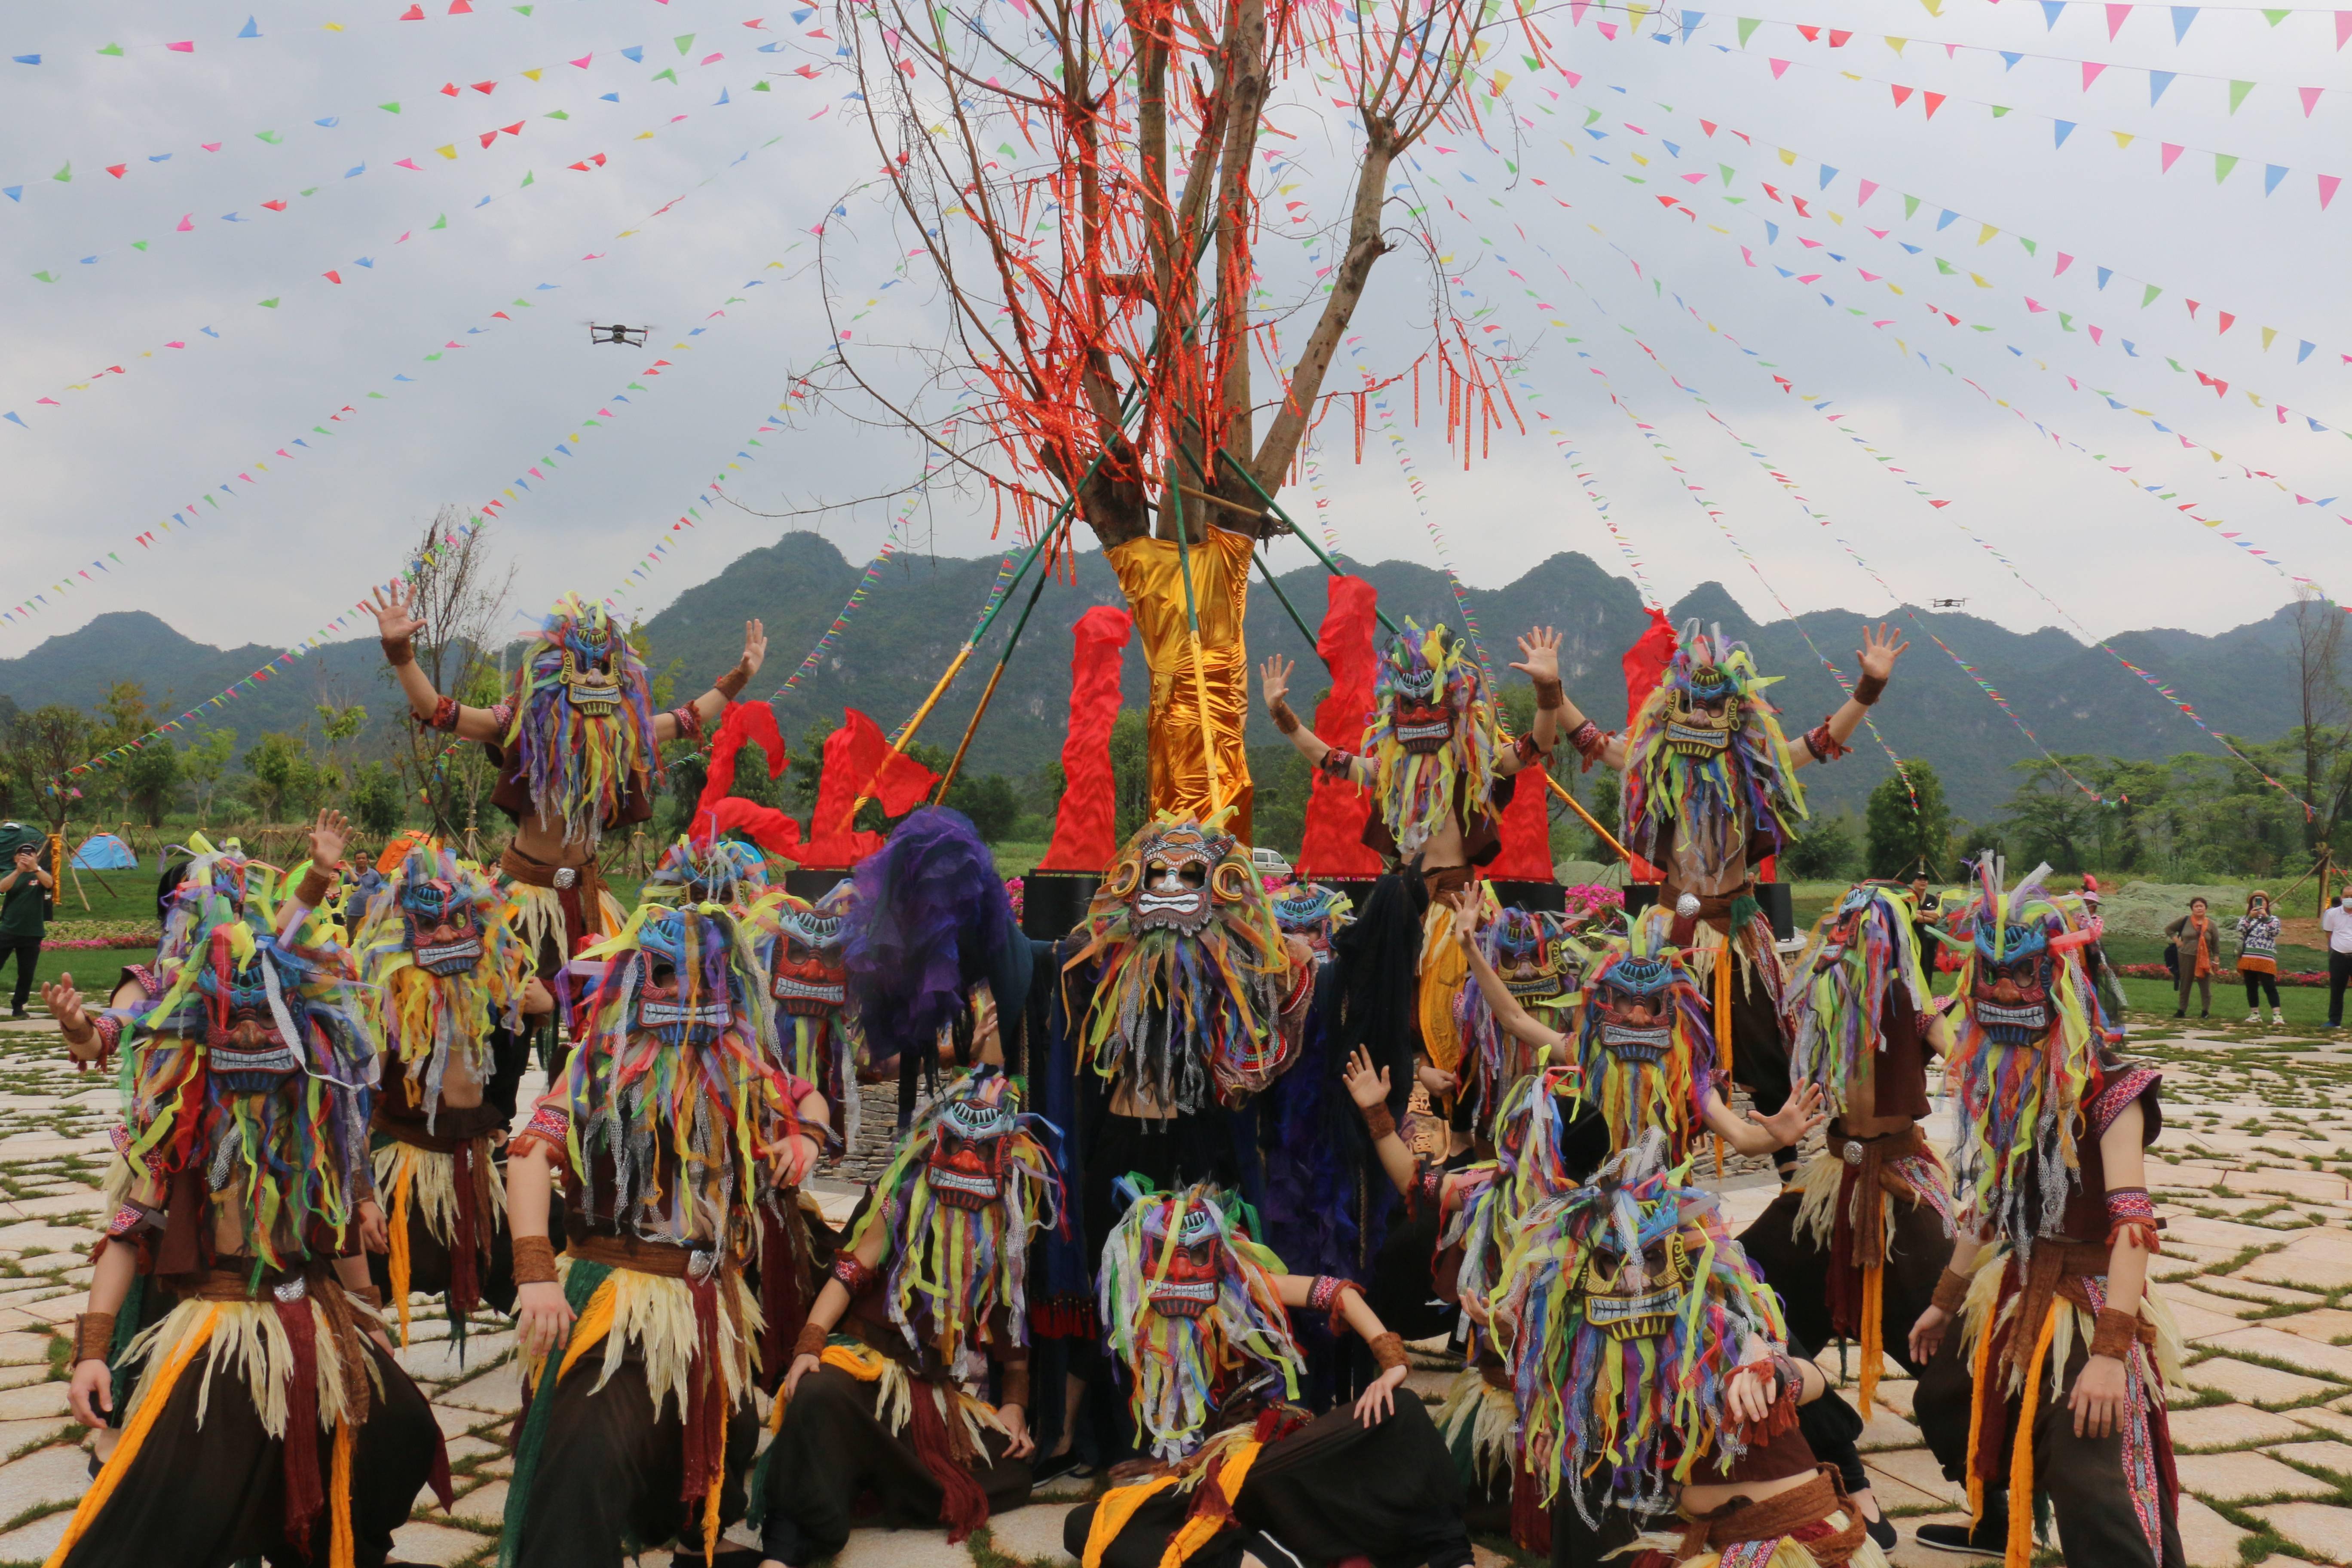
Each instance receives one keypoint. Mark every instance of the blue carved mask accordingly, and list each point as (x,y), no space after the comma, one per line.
(685,999)
(247,1049)
(2009,996)
(444,933)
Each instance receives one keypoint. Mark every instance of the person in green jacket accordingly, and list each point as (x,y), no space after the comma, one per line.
(26,892)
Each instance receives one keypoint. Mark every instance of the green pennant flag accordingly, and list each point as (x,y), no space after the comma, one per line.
(2222,163)
(1727,172)
(64,176)
(1910,206)
(116,49)
(269,136)
(528,177)
(46,277)
(557,114)
(392,107)
(659,75)
(138,245)
(2066,320)
(2029,248)
(1945,267)
(269,304)
(761,86)
(1999,110)
(2275,17)
(1747,25)
(2238,91)
(442,222)
(2149,298)
(683,42)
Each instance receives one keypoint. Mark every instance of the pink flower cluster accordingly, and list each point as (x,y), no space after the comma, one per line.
(1589,900)
(96,943)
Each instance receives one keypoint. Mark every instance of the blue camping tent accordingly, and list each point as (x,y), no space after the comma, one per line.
(104,852)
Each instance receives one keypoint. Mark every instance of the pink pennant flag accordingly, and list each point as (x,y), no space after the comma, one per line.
(1933,102)
(2091,68)
(2064,261)
(188,46)
(187,222)
(2192,310)
(582,61)
(1902,94)
(2171,150)
(1779,65)
(2033,306)
(2343,28)
(2117,15)
(2310,99)
(2327,184)
(2228,321)
(1608,30)
(2096,334)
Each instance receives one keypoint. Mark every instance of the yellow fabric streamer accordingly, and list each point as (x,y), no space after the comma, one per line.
(1874,1331)
(343,1546)
(2020,1552)
(1198,1529)
(396,1261)
(1444,970)
(142,1421)
(1118,1506)
(1200,687)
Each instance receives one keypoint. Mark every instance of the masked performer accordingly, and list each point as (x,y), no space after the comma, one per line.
(1644,1056)
(574,743)
(1854,1245)
(1313,912)
(801,948)
(1710,790)
(930,1292)
(1473,1209)
(230,1318)
(433,943)
(723,871)
(1646,1357)
(671,1129)
(1197,1314)
(2067,1354)
(1542,967)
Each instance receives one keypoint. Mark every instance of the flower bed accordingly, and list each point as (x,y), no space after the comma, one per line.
(2305,977)
(123,940)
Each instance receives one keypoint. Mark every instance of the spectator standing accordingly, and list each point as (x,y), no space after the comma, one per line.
(2258,935)
(25,902)
(2337,921)
(2196,937)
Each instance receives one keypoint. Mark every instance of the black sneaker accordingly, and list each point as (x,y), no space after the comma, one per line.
(1882,1531)
(1989,1538)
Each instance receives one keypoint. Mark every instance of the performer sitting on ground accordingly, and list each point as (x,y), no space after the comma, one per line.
(1642,1047)
(1197,1314)
(575,743)
(932,1290)
(2062,1390)
(670,1129)
(1710,790)
(1649,1366)
(1854,1245)
(230,1317)
(435,947)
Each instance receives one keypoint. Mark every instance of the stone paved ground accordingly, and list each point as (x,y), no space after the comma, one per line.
(2254,1175)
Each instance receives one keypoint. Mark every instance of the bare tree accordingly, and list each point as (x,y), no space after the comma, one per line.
(460,594)
(1102,286)
(2324,733)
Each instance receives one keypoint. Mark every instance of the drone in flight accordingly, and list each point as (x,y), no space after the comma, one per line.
(1945,603)
(621,336)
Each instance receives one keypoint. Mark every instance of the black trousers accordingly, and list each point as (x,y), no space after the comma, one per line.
(2258,983)
(2339,974)
(832,1452)
(211,1496)
(610,1473)
(27,953)
(1333,1490)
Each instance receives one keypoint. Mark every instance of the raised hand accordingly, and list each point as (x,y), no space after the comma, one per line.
(1795,1121)
(328,835)
(394,620)
(755,646)
(1879,651)
(65,1006)
(1366,1086)
(1274,676)
(1539,655)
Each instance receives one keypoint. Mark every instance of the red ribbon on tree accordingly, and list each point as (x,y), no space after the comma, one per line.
(858,760)
(1337,811)
(1525,827)
(1085,833)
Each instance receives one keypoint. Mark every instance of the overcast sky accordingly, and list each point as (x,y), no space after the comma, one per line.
(423,264)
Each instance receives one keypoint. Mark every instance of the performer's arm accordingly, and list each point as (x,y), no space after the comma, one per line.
(1273,681)
(831,1304)
(397,626)
(707,707)
(1538,660)
(1791,1124)
(1298,1290)
(1951,1291)
(2102,1389)
(329,834)
(797,1149)
(1509,1016)
(91,1393)
(86,1041)
(1826,742)
(1370,1090)
(543,1316)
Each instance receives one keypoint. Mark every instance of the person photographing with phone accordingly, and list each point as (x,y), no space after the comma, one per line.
(26,892)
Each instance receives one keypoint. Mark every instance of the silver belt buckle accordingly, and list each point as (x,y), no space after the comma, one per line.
(291,1290)
(566,876)
(1853,1151)
(700,1266)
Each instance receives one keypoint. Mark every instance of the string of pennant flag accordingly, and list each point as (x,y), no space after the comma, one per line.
(253,31)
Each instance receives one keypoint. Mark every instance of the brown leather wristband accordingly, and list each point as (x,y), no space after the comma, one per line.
(2115,1333)
(398,651)
(1284,719)
(811,1339)
(534,1260)
(93,1337)
(316,884)
(1016,1386)
(1379,1121)
(1549,696)
(1951,1290)
(731,684)
(1868,689)
(1387,1350)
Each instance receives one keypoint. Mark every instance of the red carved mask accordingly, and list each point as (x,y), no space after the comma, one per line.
(1183,1274)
